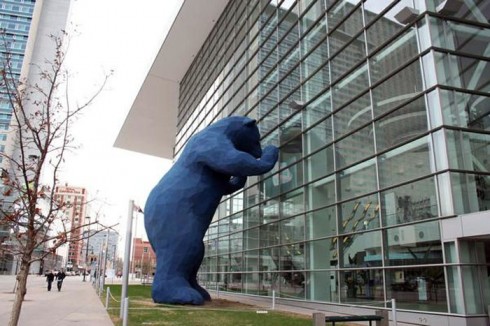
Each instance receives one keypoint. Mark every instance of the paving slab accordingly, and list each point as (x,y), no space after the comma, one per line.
(77,302)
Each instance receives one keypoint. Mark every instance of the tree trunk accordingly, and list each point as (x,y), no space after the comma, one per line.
(20,291)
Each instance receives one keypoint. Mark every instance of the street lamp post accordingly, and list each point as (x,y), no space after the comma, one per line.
(86,251)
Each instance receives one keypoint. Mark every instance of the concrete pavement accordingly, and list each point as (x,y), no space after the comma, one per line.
(76,303)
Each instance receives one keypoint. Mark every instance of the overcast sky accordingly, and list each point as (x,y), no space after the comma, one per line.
(123,36)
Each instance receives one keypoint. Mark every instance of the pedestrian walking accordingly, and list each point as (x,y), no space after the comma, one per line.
(49,279)
(60,277)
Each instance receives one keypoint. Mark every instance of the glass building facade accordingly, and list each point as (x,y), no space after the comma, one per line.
(15,22)
(380,109)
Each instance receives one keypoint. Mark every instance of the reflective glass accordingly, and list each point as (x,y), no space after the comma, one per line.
(357,180)
(462,72)
(398,89)
(415,244)
(350,55)
(322,254)
(359,214)
(318,136)
(353,116)
(462,109)
(401,125)
(321,223)
(361,286)
(350,86)
(471,192)
(393,55)
(420,288)
(317,109)
(354,147)
(291,284)
(386,26)
(322,286)
(361,249)
(404,163)
(412,202)
(468,151)
(319,164)
(321,193)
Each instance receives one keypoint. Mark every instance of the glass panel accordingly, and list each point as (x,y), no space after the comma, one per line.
(317,110)
(459,37)
(348,57)
(386,26)
(360,214)
(394,55)
(403,124)
(292,284)
(353,116)
(417,288)
(321,223)
(322,286)
(462,72)
(399,88)
(321,193)
(405,163)
(251,283)
(314,12)
(357,180)
(354,147)
(412,202)
(292,203)
(350,87)
(251,238)
(470,10)
(468,151)
(269,234)
(322,254)
(471,192)
(416,244)
(362,286)
(361,249)
(472,289)
(251,260)
(293,229)
(318,136)
(315,60)
(463,110)
(316,83)
(320,164)
(456,302)
(345,26)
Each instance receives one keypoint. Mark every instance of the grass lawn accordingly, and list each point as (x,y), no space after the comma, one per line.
(219,312)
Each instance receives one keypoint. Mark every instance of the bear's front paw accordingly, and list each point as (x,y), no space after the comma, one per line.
(270,154)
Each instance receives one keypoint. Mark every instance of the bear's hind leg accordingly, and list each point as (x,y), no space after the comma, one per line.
(175,265)
(193,279)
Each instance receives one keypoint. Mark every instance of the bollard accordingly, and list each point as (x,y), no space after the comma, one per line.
(318,319)
(385,321)
(393,311)
(273,299)
(108,293)
(125,313)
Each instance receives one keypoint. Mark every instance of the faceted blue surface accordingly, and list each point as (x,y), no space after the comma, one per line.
(178,211)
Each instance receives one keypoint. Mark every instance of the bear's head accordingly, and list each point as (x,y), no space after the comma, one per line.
(243,133)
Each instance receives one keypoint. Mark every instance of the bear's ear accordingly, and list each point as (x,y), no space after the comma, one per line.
(250,123)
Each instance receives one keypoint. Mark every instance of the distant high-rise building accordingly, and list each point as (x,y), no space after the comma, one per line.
(15,22)
(75,199)
(26,27)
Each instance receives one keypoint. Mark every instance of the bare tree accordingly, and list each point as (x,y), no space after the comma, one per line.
(39,140)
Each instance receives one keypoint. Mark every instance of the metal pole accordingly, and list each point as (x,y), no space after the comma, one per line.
(86,251)
(127,255)
(125,303)
(273,299)
(108,293)
(393,311)
(105,258)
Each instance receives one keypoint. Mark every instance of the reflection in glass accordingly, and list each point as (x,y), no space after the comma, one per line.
(415,244)
(357,180)
(408,203)
(405,163)
(417,288)
(361,249)
(359,214)
(321,223)
(471,192)
(359,286)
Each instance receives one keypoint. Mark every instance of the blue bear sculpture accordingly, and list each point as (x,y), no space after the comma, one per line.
(215,162)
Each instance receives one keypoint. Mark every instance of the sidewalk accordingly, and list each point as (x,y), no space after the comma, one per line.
(76,303)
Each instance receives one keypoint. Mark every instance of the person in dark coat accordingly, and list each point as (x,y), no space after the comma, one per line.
(49,279)
(60,277)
